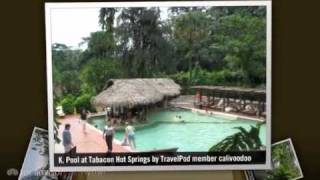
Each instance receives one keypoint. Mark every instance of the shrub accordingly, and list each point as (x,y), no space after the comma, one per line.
(67,104)
(83,101)
(201,76)
(181,78)
(279,173)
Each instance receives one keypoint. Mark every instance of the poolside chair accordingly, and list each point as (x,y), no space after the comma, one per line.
(250,110)
(218,105)
(59,111)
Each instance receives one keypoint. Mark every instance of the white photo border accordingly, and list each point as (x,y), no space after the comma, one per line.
(294,154)
(50,6)
(24,165)
(250,176)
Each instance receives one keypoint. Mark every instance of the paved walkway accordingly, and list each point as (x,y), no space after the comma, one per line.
(90,142)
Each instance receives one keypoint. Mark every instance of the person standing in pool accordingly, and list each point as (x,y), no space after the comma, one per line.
(83,118)
(108,133)
(129,131)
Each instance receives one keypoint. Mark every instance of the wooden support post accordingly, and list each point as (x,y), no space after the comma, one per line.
(259,109)
(112,115)
(228,101)
(213,99)
(224,104)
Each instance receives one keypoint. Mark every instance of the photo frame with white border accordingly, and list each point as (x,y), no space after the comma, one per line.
(36,160)
(250,175)
(48,17)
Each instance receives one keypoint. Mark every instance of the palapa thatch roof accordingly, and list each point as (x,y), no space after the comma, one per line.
(133,92)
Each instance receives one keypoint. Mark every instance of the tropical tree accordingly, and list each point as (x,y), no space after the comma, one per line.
(191,33)
(243,140)
(142,41)
(106,18)
(98,71)
(241,39)
(65,70)
(192,45)
(101,44)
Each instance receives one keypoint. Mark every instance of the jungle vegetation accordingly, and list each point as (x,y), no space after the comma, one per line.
(193,46)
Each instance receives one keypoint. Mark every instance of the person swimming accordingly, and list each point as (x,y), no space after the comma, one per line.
(179,119)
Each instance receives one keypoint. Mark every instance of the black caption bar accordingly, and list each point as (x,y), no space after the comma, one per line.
(152,159)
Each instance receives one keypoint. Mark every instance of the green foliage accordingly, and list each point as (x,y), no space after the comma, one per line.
(190,35)
(83,101)
(283,157)
(279,174)
(227,42)
(65,72)
(193,46)
(96,73)
(145,51)
(67,104)
(240,37)
(201,76)
(106,18)
(241,141)
(181,78)
(101,44)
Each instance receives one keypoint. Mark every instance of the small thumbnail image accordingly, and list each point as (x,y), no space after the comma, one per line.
(285,164)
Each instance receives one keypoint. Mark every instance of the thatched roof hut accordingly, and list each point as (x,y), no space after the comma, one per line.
(133,92)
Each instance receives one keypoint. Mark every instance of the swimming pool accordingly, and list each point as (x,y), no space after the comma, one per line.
(198,132)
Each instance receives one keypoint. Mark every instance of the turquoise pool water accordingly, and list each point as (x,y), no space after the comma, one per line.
(198,133)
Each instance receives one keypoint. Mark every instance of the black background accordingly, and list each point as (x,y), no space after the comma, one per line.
(295,93)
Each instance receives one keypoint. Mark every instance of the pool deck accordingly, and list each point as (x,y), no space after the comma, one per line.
(89,142)
(212,112)
(186,102)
